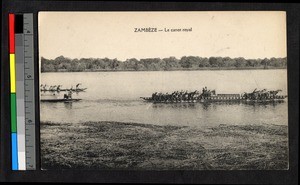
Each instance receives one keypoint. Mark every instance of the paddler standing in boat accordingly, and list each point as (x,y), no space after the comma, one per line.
(58,88)
(65,96)
(70,95)
(77,87)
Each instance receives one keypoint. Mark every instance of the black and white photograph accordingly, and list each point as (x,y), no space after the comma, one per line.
(193,90)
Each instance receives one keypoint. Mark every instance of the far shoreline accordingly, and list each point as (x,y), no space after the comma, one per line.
(202,69)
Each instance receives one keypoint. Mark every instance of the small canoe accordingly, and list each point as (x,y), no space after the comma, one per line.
(60,100)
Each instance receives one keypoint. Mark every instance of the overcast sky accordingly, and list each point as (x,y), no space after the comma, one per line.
(111,34)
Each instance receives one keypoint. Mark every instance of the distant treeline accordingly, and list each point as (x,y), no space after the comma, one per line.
(63,64)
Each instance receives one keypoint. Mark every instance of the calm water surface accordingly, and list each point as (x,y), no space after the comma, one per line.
(114,96)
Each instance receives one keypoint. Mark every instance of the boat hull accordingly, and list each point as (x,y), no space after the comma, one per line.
(60,100)
(217,99)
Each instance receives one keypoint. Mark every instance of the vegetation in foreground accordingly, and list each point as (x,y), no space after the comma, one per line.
(133,146)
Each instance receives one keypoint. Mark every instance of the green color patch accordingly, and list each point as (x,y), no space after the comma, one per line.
(13,112)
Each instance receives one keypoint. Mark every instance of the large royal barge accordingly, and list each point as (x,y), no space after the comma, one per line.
(211,96)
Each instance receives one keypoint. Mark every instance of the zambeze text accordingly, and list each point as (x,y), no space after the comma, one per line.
(145,29)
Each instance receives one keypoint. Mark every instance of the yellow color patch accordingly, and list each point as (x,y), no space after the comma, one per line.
(12,73)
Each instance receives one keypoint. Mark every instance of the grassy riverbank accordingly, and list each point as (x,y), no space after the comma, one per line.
(133,146)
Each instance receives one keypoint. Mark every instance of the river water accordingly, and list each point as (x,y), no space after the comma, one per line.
(115,96)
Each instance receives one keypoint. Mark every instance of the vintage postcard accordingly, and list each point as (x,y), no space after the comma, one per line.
(201,90)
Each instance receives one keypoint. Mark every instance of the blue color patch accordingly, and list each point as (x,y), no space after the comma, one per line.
(14,151)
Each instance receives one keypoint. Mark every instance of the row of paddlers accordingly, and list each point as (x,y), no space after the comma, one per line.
(58,88)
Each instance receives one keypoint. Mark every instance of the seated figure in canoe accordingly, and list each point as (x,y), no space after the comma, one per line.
(68,96)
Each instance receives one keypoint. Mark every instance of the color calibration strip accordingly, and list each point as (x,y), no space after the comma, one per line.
(13,99)
(22,91)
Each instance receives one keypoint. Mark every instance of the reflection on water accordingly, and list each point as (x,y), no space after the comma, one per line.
(68,105)
(209,105)
(206,106)
(115,97)
(174,105)
(193,114)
